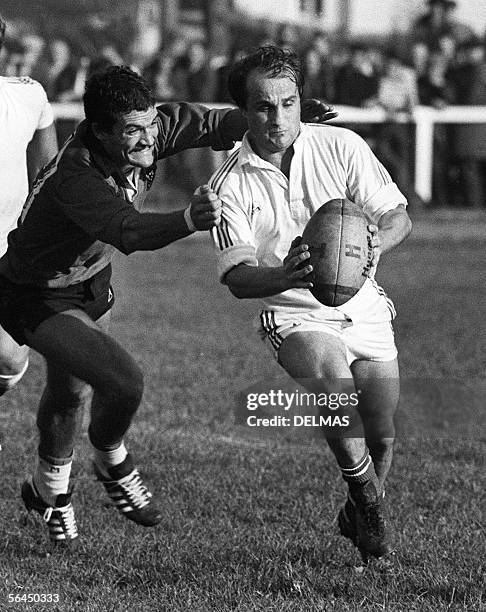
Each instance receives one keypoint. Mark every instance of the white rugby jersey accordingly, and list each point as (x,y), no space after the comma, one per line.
(263,211)
(23,110)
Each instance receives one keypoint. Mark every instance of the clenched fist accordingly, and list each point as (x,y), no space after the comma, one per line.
(205,209)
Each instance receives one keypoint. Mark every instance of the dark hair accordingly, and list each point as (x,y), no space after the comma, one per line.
(114,92)
(3,25)
(272,60)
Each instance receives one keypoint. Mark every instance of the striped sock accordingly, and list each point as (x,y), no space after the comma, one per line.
(360,472)
(362,482)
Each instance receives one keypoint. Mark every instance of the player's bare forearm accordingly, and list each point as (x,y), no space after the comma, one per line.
(151,231)
(393,227)
(257,282)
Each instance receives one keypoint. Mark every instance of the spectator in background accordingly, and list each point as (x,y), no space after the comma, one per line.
(318,68)
(59,71)
(438,21)
(433,86)
(199,79)
(357,85)
(419,57)
(14,58)
(397,95)
(322,44)
(288,37)
(469,86)
(110,53)
(447,45)
(33,45)
(319,77)
(237,51)
(159,72)
(357,80)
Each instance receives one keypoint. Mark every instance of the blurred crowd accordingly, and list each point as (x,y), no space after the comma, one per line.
(438,62)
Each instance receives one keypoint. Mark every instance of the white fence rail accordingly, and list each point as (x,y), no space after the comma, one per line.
(424,118)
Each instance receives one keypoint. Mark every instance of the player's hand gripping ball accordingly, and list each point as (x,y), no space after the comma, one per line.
(340,248)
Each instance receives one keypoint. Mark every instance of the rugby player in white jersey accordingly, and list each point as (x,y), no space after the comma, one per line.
(269,189)
(28,142)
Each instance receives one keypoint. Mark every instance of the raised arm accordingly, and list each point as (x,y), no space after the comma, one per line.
(186,126)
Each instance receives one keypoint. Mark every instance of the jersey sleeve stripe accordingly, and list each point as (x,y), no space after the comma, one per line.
(219,236)
(223,172)
(223,235)
(225,231)
(220,170)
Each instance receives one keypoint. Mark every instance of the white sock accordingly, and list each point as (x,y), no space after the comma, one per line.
(52,479)
(109,458)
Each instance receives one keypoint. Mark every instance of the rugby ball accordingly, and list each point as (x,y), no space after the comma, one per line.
(340,251)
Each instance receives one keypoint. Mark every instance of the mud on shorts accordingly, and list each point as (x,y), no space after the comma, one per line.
(362,340)
(27,306)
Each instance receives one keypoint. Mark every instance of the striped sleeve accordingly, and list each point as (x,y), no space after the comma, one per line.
(369,183)
(233,239)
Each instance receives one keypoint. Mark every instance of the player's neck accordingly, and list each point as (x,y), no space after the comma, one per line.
(281,159)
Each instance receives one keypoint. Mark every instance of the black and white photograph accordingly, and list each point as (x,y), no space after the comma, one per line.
(242,305)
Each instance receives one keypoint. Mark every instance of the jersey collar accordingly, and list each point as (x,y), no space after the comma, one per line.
(248,155)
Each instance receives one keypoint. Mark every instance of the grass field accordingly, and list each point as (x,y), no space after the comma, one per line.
(250,515)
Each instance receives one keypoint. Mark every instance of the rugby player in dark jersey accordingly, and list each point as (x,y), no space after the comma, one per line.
(55,278)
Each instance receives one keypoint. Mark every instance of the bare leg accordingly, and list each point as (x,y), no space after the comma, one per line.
(319,361)
(13,361)
(89,355)
(379,386)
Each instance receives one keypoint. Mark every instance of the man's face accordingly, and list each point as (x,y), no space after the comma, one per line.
(131,142)
(272,111)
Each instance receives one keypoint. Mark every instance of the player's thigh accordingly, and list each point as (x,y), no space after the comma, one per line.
(318,355)
(378,384)
(77,343)
(13,356)
(62,385)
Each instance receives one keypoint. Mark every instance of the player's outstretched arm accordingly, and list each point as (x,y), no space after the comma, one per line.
(150,231)
(256,282)
(393,227)
(316,111)
(186,125)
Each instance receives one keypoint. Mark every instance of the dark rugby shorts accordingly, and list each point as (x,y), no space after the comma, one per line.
(27,306)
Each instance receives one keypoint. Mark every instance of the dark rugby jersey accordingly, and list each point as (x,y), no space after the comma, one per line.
(73,219)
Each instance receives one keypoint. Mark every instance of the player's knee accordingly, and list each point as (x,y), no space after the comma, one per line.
(127,389)
(10,376)
(382,445)
(67,397)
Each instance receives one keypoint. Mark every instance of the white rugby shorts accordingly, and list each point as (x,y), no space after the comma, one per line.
(362,340)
